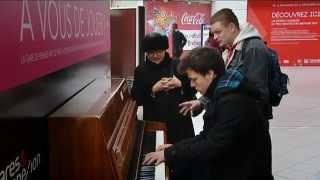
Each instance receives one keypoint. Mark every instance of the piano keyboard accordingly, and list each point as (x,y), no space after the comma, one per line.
(151,172)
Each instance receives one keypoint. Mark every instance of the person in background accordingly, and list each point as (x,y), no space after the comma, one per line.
(235,141)
(159,88)
(179,41)
(212,42)
(246,52)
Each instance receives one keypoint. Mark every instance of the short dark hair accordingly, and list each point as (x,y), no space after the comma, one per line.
(202,60)
(155,41)
(225,16)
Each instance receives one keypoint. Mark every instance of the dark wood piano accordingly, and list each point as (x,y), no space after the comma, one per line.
(96,135)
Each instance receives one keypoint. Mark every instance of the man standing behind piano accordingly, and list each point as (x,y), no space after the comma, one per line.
(179,41)
(159,88)
(235,141)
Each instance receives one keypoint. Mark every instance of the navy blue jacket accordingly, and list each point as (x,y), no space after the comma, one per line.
(235,141)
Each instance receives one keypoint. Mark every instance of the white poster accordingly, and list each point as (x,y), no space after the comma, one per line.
(205,33)
(193,39)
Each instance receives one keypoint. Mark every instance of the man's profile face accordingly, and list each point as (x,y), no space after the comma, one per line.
(200,82)
(222,33)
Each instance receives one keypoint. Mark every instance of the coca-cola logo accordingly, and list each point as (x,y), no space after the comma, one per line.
(197,18)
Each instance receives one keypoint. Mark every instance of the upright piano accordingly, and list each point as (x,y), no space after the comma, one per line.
(96,136)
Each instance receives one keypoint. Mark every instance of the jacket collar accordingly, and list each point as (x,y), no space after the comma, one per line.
(228,82)
(247,31)
(210,91)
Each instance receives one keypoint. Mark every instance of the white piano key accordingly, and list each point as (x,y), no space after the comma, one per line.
(160,170)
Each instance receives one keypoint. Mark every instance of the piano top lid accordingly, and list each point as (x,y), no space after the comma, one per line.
(91,101)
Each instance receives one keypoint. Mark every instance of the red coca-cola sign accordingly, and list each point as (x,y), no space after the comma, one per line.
(160,15)
(197,18)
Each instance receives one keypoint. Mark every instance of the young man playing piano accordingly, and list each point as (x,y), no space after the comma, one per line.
(235,141)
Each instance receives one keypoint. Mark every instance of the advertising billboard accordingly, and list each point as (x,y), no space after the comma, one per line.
(292,28)
(39,37)
(189,18)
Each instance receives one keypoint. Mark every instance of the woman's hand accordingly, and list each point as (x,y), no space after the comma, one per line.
(159,86)
(174,83)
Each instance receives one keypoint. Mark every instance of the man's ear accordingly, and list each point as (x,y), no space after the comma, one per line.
(212,74)
(232,27)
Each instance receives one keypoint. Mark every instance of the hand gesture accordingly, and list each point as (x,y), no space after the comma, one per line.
(174,83)
(163,146)
(159,86)
(189,106)
(154,157)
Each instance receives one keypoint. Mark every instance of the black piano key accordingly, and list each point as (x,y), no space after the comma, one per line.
(147,174)
(138,170)
(147,178)
(149,143)
(149,168)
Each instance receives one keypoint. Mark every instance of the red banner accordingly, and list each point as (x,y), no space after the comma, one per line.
(292,28)
(39,37)
(189,17)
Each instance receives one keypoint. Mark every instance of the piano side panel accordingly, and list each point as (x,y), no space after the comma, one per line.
(116,130)
(113,110)
(125,141)
(77,150)
(80,130)
(24,111)
(129,140)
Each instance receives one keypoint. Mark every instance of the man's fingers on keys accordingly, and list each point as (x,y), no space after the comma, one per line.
(184,104)
(186,110)
(148,159)
(145,160)
(160,147)
(183,109)
(157,162)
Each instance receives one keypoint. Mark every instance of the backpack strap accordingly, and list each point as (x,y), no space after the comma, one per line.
(243,49)
(245,44)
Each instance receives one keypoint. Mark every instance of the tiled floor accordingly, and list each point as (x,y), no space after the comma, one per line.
(295,130)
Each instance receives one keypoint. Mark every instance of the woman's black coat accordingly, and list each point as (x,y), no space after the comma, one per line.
(163,106)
